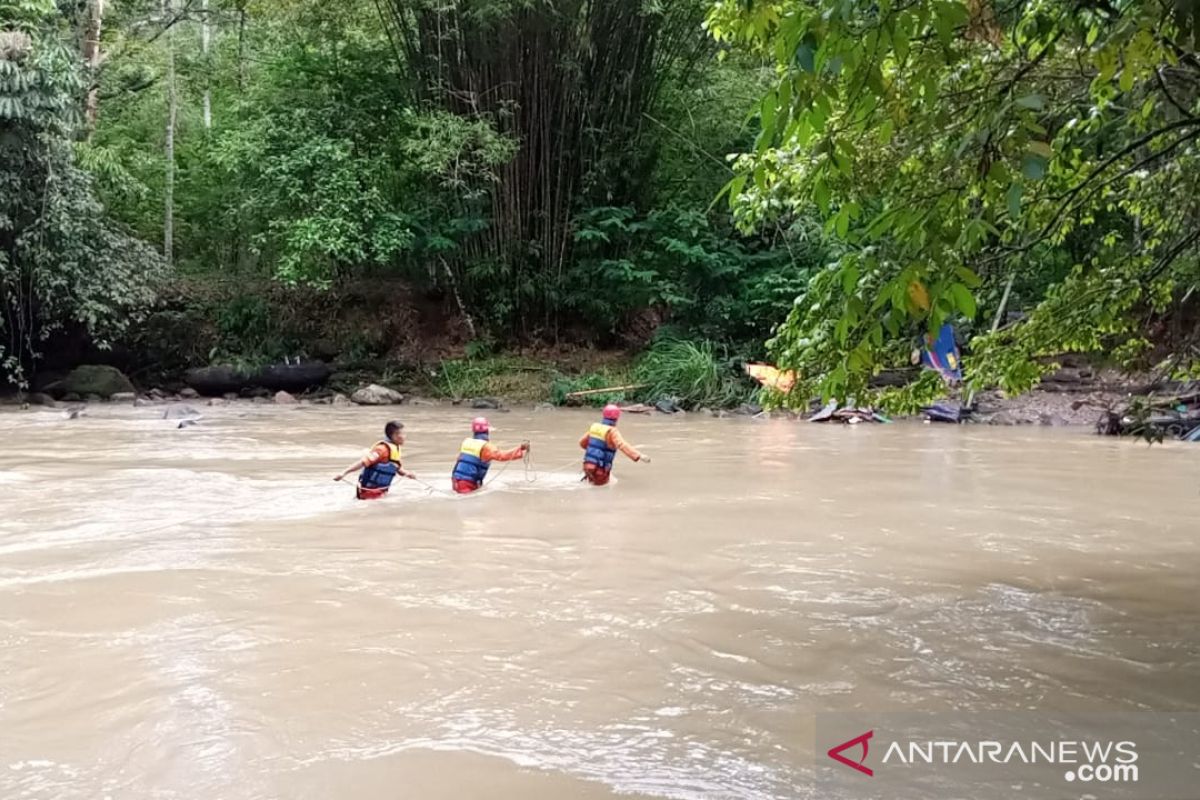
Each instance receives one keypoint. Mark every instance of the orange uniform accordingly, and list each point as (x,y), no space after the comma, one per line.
(597,474)
(487,454)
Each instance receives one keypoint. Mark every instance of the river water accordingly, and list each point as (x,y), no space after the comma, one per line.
(204,613)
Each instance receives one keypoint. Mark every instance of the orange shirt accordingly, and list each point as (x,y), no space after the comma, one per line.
(616,441)
(377,455)
(492,453)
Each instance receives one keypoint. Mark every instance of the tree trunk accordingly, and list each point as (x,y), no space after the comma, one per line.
(205,40)
(92,57)
(172,113)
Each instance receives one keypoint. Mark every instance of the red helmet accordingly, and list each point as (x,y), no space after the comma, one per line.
(612,411)
(480,425)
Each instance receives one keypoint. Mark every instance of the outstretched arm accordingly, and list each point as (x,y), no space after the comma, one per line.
(492,453)
(615,439)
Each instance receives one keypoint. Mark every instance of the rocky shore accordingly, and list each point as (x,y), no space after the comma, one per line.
(1072,396)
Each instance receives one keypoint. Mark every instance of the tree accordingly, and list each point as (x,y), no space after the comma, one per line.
(62,262)
(955,147)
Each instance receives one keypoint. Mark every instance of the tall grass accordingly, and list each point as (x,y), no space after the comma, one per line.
(691,374)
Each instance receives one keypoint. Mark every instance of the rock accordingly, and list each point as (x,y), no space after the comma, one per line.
(422,401)
(92,398)
(75,412)
(123,397)
(187,423)
(71,397)
(142,402)
(255,393)
(285,399)
(293,377)
(668,406)
(42,399)
(340,399)
(486,402)
(219,380)
(229,397)
(156,394)
(636,408)
(748,410)
(180,412)
(376,395)
(544,407)
(99,380)
(189,393)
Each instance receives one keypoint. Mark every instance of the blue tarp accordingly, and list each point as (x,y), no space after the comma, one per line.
(942,354)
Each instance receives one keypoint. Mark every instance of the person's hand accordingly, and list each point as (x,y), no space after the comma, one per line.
(411,476)
(525,447)
(338,477)
(645,459)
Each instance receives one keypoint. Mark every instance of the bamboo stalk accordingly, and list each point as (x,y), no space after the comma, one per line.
(627,388)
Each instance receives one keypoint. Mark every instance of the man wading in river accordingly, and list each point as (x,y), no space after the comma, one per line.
(600,445)
(476,455)
(381,466)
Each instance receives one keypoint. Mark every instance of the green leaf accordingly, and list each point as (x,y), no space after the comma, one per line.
(842,223)
(1126,81)
(821,196)
(1014,200)
(968,276)
(849,279)
(1034,102)
(1042,149)
(1033,166)
(964,300)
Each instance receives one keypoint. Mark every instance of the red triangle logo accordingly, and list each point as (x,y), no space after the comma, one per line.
(836,753)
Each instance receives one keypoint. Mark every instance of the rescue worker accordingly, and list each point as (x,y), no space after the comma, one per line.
(600,445)
(381,465)
(476,455)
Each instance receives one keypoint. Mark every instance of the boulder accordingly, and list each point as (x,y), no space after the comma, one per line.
(748,410)
(41,399)
(339,399)
(99,380)
(293,377)
(668,406)
(220,380)
(123,397)
(189,393)
(486,403)
(376,395)
(187,423)
(285,399)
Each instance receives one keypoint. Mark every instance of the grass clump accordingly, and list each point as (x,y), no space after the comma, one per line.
(691,374)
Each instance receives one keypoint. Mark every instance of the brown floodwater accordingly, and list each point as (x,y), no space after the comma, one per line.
(204,613)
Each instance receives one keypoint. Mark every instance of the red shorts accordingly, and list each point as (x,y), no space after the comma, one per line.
(370,494)
(595,475)
(464,487)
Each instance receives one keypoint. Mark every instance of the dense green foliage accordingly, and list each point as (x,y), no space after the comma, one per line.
(955,145)
(62,262)
(546,168)
(543,171)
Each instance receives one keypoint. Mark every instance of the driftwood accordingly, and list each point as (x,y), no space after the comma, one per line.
(587,392)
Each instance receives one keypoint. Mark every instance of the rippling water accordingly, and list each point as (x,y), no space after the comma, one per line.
(203,613)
